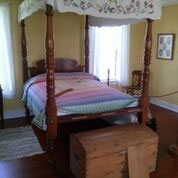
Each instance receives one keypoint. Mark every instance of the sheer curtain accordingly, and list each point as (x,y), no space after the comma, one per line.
(6,54)
(123,56)
(109,49)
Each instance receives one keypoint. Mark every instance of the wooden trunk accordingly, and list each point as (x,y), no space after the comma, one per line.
(103,152)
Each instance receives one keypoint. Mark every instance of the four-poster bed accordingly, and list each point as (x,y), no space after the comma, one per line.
(129,9)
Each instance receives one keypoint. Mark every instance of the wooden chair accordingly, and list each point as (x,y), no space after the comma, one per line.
(135,87)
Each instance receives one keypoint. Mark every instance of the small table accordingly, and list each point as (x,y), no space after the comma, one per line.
(1,109)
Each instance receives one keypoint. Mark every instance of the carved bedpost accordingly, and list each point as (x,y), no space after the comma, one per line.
(86,44)
(144,101)
(24,51)
(24,63)
(51,110)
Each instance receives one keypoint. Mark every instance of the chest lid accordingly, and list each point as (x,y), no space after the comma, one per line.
(114,139)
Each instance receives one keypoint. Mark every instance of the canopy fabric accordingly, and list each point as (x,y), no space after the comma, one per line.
(116,9)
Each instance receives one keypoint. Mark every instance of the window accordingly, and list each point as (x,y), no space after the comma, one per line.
(6,55)
(109,50)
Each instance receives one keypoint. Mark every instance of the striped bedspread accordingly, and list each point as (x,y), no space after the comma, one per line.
(85,95)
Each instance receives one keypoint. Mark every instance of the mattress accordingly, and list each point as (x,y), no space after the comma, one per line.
(86,95)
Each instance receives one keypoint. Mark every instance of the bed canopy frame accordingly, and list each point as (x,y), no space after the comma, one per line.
(153,12)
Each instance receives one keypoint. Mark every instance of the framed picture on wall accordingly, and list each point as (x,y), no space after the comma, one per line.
(165,46)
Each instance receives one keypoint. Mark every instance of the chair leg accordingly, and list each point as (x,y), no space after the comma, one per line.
(139,115)
(132,92)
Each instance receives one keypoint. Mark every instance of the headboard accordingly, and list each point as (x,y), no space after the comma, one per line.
(61,65)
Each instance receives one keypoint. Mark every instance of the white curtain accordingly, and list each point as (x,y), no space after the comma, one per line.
(123,56)
(6,54)
(109,49)
(94,50)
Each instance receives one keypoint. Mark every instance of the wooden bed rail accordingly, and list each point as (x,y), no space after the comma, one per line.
(144,100)
(51,110)
(105,115)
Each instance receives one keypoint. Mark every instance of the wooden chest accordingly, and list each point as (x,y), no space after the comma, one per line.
(102,153)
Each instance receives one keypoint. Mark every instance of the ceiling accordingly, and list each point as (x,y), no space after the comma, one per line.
(169,2)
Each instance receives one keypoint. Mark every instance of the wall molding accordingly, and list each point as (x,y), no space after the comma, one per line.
(14,114)
(164,104)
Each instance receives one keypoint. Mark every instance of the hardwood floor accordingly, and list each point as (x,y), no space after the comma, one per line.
(167,131)
(38,167)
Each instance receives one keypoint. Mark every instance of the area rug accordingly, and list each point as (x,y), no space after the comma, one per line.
(18,143)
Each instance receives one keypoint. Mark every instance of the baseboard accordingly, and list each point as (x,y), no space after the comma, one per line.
(18,113)
(164,104)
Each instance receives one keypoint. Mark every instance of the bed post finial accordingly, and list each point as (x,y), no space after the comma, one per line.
(144,101)
(51,110)
(24,51)
(86,44)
